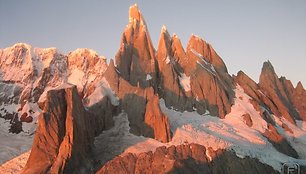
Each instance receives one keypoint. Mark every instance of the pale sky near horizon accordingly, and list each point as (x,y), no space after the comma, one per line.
(243,33)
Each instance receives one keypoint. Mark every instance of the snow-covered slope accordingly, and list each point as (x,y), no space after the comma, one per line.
(210,131)
(26,74)
(233,133)
(12,145)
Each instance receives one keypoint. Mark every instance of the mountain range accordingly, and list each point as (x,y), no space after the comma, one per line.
(170,110)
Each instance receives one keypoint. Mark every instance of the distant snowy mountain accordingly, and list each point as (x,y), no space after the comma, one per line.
(170,110)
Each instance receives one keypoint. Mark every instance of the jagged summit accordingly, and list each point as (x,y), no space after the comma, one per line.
(164,29)
(135,16)
(21,44)
(267,66)
(299,86)
(134,13)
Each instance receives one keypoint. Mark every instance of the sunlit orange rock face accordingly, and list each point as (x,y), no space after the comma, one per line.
(165,70)
(275,95)
(63,137)
(169,54)
(187,158)
(157,120)
(210,84)
(136,57)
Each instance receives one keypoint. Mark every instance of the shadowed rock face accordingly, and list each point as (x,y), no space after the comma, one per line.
(142,107)
(63,138)
(187,158)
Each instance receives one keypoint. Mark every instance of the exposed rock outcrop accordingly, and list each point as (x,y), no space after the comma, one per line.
(266,98)
(187,158)
(209,79)
(64,136)
(273,95)
(169,54)
(190,80)
(276,91)
(145,116)
(136,57)
(157,120)
(279,142)
(299,100)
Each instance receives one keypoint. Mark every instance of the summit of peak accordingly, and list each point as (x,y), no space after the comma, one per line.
(85,52)
(23,45)
(164,28)
(134,13)
(267,65)
(299,86)
(174,35)
(194,36)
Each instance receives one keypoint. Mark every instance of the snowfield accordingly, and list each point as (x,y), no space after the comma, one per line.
(12,145)
(210,131)
(233,133)
(189,127)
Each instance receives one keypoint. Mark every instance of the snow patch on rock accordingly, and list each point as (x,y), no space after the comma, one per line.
(185,82)
(102,89)
(167,60)
(148,77)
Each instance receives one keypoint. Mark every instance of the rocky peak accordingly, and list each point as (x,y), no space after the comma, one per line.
(135,14)
(179,53)
(299,87)
(268,78)
(164,46)
(63,138)
(267,68)
(84,52)
(277,92)
(112,76)
(197,45)
(136,56)
(299,100)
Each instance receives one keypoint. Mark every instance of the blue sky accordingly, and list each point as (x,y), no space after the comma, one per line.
(244,33)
